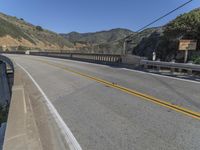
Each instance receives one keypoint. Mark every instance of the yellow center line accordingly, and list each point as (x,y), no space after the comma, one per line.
(146,97)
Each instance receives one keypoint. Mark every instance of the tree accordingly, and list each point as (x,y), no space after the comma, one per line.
(186,25)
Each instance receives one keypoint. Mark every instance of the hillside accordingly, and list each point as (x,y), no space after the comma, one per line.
(105,45)
(18,34)
(98,37)
(107,41)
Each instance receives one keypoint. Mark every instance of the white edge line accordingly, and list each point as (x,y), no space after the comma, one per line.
(24,101)
(69,137)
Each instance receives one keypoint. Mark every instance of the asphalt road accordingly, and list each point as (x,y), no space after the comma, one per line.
(103,117)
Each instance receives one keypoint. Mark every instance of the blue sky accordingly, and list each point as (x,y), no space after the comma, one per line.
(64,16)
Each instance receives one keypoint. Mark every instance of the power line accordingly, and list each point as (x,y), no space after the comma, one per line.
(158,19)
(165,15)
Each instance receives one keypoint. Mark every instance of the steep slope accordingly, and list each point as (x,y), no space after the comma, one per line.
(17,34)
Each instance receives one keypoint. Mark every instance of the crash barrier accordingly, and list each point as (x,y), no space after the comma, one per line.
(189,67)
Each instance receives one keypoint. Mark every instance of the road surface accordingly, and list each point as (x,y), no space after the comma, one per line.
(108,108)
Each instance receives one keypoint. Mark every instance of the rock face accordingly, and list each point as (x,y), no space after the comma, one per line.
(17,34)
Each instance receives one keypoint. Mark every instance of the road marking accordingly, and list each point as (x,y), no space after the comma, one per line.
(69,137)
(131,70)
(24,101)
(146,97)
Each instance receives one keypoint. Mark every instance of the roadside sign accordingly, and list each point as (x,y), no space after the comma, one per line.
(187,45)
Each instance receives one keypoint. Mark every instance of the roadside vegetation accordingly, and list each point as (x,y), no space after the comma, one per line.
(196,59)
(6,28)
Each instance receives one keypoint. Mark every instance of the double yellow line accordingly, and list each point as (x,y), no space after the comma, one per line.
(163,103)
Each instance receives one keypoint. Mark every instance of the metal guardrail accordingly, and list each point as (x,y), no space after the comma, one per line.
(171,65)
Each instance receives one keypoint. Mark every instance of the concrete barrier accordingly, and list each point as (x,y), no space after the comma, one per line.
(131,60)
(96,58)
(110,59)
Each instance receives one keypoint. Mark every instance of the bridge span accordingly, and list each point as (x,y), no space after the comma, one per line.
(96,107)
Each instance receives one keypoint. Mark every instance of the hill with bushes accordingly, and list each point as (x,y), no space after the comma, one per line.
(166,41)
(15,33)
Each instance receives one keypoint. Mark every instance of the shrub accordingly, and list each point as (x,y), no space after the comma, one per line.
(196,59)
(39,28)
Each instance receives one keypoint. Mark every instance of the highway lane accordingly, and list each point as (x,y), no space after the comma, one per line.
(101,117)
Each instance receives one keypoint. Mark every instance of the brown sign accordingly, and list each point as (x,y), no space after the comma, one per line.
(186,45)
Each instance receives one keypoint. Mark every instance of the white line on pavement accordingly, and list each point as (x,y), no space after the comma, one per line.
(69,137)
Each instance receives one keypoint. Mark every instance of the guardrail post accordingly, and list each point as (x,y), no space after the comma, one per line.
(172,70)
(145,66)
(158,68)
(179,70)
(189,72)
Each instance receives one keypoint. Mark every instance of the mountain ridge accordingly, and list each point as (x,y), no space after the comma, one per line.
(98,37)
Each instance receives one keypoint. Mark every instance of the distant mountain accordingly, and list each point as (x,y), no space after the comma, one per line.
(111,41)
(18,34)
(98,37)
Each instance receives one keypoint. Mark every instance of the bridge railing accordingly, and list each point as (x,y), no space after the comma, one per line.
(101,58)
(189,67)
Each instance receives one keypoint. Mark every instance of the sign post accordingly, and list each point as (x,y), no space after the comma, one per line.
(187,45)
(186,56)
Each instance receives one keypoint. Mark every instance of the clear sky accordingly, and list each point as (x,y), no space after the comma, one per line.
(64,16)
